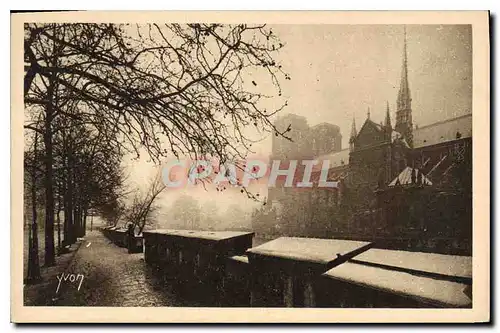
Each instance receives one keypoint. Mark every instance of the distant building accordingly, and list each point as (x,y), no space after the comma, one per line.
(404,186)
(303,143)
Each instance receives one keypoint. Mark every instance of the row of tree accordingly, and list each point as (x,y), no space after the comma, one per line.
(86,178)
(94,92)
(185,212)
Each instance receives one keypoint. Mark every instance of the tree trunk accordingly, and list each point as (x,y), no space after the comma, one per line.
(58,216)
(76,221)
(65,197)
(59,229)
(80,221)
(50,258)
(78,211)
(69,198)
(33,259)
(67,217)
(84,231)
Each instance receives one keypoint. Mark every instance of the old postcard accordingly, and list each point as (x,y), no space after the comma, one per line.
(250,167)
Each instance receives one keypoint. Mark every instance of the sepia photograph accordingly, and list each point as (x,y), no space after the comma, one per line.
(250,163)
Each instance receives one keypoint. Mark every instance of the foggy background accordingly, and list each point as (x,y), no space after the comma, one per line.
(337,72)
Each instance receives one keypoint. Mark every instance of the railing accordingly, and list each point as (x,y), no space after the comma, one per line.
(122,238)
(224,273)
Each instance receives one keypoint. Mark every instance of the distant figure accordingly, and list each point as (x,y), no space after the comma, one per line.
(130,238)
(459,135)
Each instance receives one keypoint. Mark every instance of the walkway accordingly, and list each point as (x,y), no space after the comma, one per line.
(112,277)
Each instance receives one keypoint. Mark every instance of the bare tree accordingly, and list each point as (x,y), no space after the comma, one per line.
(210,216)
(170,89)
(186,212)
(143,205)
(32,169)
(236,217)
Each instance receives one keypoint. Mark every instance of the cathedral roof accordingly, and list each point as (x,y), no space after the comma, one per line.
(368,121)
(443,131)
(404,178)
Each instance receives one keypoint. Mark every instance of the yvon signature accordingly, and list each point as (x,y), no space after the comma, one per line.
(71,277)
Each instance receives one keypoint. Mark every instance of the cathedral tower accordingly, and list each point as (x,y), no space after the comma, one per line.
(387,124)
(404,122)
(354,134)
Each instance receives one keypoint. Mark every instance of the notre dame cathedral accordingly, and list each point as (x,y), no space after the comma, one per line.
(402,186)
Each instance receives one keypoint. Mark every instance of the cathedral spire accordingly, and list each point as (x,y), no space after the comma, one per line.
(354,134)
(404,96)
(387,117)
(404,123)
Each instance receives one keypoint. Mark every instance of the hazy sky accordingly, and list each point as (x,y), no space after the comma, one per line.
(338,71)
